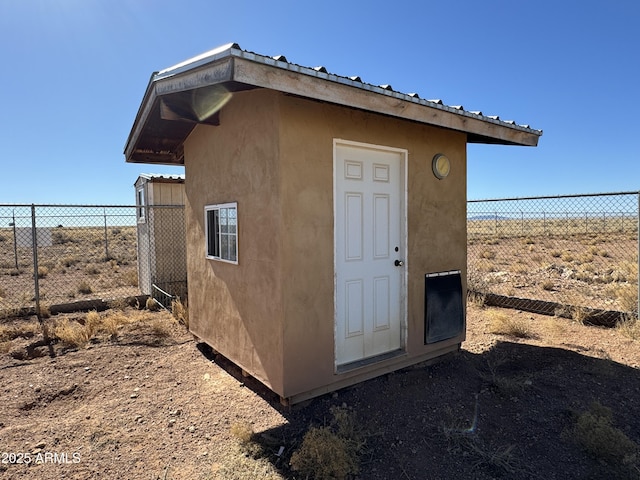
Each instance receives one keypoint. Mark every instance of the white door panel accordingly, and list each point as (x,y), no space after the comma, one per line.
(369,238)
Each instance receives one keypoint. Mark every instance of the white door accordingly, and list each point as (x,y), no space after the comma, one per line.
(369,250)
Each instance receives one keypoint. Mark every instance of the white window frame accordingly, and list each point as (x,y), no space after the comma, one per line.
(222,256)
(140,204)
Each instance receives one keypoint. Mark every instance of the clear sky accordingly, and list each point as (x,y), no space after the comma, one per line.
(74,73)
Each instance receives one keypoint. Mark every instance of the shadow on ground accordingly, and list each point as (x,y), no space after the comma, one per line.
(507,413)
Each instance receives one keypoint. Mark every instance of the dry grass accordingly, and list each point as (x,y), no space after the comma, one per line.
(43,272)
(555,326)
(160,327)
(71,333)
(180,312)
(78,333)
(629,327)
(152,305)
(548,285)
(595,433)
(243,432)
(84,288)
(24,330)
(500,323)
(331,451)
(488,254)
(130,278)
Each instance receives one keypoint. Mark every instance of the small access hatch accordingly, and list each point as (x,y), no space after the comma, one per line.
(444,310)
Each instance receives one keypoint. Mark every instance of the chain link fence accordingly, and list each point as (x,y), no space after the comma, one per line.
(556,255)
(52,255)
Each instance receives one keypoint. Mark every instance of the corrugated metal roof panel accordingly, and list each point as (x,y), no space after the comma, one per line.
(280,61)
(154,138)
(162,176)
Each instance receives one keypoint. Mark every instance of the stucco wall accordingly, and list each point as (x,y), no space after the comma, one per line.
(436,211)
(273,314)
(237,309)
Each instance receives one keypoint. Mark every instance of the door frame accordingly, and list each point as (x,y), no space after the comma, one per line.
(404,153)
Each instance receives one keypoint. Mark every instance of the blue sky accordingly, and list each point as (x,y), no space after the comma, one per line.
(74,72)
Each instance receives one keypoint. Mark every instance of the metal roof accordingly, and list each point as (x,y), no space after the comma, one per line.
(159,178)
(166,115)
(162,176)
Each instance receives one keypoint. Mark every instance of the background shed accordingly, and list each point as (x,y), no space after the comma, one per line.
(162,264)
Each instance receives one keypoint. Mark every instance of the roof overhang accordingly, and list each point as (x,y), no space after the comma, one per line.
(193,92)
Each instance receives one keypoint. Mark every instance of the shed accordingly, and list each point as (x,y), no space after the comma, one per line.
(325,217)
(162,261)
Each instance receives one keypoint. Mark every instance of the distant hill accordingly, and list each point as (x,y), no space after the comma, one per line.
(488,217)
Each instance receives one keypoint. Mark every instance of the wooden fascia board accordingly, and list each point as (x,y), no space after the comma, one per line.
(287,81)
(214,74)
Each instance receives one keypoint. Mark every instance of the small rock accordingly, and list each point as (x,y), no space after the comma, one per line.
(191,429)
(134,395)
(39,445)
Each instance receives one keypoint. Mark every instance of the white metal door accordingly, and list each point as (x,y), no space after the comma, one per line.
(369,250)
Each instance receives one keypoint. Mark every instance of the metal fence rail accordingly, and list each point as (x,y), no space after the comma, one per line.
(57,254)
(567,251)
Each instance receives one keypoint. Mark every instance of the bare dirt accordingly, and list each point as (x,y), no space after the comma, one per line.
(151,403)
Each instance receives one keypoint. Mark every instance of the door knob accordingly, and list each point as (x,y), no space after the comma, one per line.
(398,263)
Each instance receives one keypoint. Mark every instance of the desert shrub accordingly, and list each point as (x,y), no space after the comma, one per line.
(330,452)
(579,314)
(71,333)
(160,328)
(69,261)
(84,288)
(629,327)
(595,433)
(567,257)
(111,324)
(180,312)
(43,272)
(130,277)
(323,454)
(627,296)
(485,266)
(152,305)
(243,432)
(92,270)
(488,254)
(59,237)
(500,323)
(547,285)
(23,330)
(92,323)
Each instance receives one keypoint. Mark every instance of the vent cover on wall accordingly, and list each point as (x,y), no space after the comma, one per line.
(443,310)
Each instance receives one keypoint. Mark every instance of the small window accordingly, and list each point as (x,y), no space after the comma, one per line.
(140,205)
(222,231)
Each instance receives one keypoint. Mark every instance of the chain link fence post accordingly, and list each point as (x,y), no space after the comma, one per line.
(34,247)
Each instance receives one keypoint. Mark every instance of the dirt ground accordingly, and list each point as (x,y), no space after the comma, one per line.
(150,403)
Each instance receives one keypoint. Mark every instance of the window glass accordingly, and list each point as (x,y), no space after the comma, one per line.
(221,231)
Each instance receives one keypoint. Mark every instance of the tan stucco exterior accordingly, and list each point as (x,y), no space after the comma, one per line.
(273,313)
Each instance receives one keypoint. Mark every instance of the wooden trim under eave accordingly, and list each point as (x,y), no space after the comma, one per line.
(287,81)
